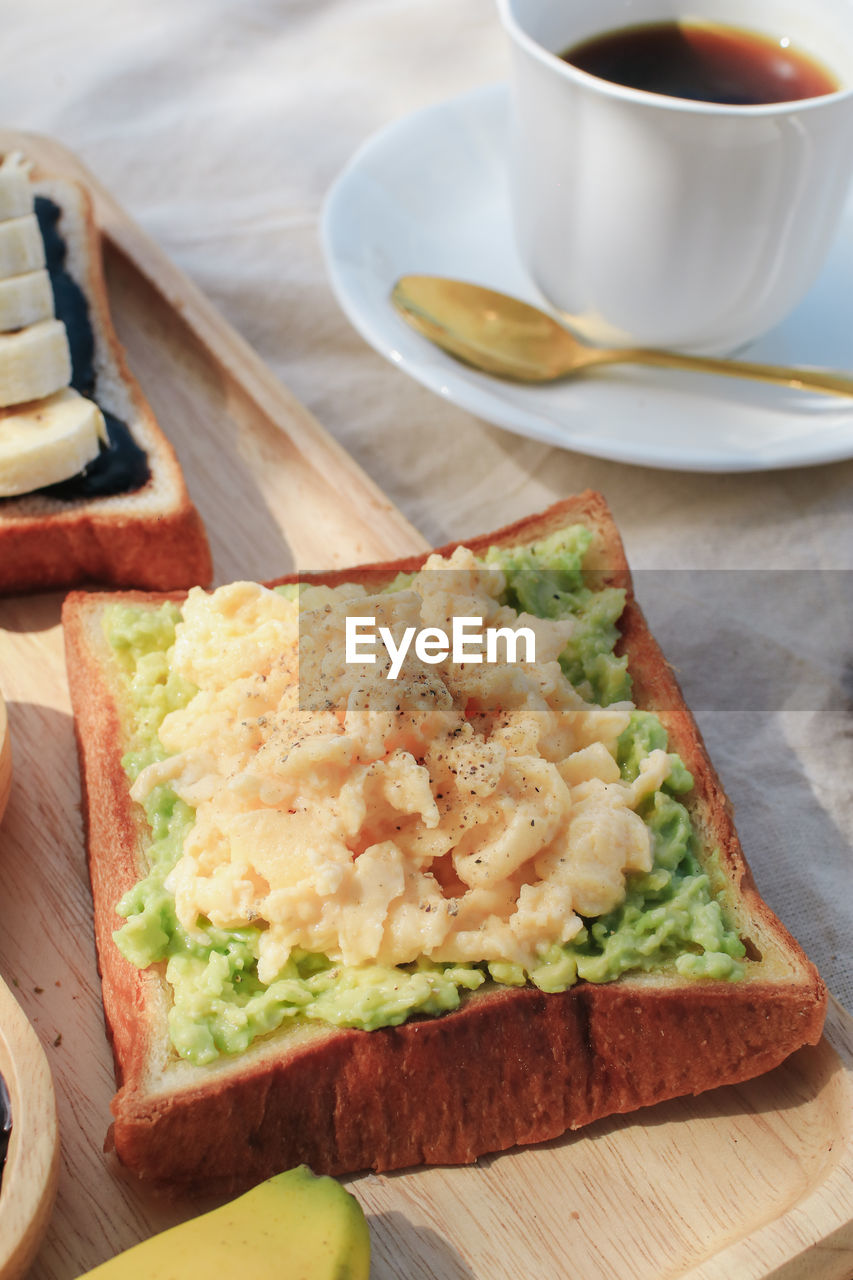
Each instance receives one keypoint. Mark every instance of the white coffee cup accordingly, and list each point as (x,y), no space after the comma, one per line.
(665,222)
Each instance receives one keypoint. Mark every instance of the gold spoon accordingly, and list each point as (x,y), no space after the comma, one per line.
(508,338)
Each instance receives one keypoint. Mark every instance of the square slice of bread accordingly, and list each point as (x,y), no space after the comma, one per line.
(510,1066)
(152,537)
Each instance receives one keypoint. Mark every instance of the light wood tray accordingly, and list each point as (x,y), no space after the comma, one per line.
(753,1181)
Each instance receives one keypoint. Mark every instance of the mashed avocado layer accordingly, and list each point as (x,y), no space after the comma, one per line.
(670,916)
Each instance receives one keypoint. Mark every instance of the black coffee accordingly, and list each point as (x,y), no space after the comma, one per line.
(707,63)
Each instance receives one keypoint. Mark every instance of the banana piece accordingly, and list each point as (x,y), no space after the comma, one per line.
(25,300)
(52,433)
(16,193)
(44,443)
(34,362)
(21,246)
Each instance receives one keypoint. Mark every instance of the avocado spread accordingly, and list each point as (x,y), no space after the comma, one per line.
(670,916)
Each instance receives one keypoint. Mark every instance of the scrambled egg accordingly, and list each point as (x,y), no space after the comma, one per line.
(462,812)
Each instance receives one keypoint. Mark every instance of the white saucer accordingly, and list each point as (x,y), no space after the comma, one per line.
(428,194)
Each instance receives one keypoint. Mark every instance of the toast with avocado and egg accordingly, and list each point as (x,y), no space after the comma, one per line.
(90,488)
(358,922)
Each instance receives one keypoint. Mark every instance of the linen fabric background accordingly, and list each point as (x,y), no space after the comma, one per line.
(219,125)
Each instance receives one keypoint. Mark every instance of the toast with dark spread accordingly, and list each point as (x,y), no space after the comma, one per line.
(512,1064)
(126,519)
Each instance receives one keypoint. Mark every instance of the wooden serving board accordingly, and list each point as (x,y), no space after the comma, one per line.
(751,1181)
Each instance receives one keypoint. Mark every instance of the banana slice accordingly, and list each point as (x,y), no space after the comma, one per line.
(44,443)
(34,362)
(16,193)
(21,246)
(25,300)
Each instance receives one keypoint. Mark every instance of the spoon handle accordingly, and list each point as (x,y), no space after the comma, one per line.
(838,384)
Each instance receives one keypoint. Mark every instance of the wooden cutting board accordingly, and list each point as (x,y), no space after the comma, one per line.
(751,1181)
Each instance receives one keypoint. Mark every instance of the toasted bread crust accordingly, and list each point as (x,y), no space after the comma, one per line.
(152,538)
(511,1066)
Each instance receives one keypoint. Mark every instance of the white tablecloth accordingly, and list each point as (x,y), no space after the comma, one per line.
(219,125)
